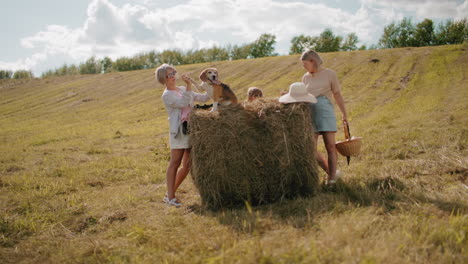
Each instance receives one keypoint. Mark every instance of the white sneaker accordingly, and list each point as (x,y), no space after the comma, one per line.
(338,175)
(172,202)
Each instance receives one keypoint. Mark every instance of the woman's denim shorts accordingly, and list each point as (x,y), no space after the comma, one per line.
(323,115)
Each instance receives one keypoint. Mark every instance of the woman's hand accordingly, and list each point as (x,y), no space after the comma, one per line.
(186,79)
(344,117)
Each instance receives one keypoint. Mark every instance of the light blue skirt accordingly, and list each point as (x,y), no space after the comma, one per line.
(323,115)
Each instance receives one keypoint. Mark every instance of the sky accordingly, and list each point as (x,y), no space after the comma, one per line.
(44,35)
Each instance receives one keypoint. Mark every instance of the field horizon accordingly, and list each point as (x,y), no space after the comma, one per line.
(83,161)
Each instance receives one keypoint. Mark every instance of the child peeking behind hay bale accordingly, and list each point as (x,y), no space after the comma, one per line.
(254,93)
(261,154)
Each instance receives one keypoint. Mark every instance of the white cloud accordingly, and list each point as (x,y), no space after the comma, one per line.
(55,40)
(462,10)
(24,64)
(434,9)
(104,24)
(142,25)
(207,44)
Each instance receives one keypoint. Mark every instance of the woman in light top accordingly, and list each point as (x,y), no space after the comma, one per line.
(178,101)
(323,84)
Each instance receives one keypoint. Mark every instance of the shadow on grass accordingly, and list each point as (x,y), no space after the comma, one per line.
(384,193)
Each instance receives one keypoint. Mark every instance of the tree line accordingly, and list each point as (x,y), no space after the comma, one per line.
(407,34)
(397,34)
(262,47)
(325,42)
(20,74)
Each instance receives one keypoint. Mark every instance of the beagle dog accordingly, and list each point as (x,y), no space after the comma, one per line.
(220,93)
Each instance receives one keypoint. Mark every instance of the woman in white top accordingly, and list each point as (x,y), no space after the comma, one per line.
(323,84)
(178,101)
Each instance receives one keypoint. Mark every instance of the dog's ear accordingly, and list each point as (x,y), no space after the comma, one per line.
(203,76)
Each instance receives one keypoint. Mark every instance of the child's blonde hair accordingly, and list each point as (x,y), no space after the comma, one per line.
(254,92)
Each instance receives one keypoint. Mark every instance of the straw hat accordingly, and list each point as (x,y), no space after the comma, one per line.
(297,93)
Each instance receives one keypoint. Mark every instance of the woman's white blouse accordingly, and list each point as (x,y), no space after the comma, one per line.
(174,104)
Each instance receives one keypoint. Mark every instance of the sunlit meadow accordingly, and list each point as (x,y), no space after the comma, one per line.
(83,160)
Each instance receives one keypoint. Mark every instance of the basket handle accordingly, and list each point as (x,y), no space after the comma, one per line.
(346,130)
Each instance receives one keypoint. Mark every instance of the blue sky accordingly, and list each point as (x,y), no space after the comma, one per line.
(42,35)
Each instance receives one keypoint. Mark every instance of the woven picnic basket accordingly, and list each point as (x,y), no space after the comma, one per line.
(351,146)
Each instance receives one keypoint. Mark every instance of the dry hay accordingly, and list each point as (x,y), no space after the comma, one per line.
(260,154)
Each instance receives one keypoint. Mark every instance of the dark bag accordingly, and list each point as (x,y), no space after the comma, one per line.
(185,128)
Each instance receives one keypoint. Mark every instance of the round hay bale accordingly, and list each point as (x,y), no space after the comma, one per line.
(262,153)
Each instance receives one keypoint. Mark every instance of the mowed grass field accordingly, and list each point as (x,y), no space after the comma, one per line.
(83,161)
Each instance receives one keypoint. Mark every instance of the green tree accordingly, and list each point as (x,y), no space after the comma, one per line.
(47,73)
(139,61)
(263,46)
(301,43)
(239,52)
(6,74)
(373,47)
(424,33)
(389,37)
(122,64)
(452,32)
(173,57)
(73,70)
(91,66)
(406,33)
(194,56)
(152,59)
(23,74)
(62,71)
(350,42)
(217,54)
(106,64)
(398,35)
(328,42)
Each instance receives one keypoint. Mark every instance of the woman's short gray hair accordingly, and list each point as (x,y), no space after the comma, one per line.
(161,72)
(313,56)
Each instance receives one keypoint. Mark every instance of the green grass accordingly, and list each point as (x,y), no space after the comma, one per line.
(83,160)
